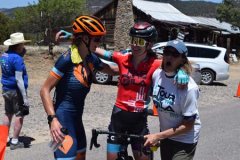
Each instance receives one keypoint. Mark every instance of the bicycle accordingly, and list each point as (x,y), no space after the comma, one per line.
(123,154)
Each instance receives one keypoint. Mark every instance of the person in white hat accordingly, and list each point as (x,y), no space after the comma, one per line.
(14,85)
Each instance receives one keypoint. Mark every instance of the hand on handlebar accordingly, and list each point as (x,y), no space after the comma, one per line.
(152,140)
(122,154)
(96,132)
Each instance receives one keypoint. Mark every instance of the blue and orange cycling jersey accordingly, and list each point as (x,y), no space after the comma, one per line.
(74,81)
(134,83)
(71,91)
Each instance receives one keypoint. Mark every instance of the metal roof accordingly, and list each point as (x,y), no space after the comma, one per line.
(216,23)
(163,11)
(95,5)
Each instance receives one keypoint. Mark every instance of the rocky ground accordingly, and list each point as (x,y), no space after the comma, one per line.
(101,98)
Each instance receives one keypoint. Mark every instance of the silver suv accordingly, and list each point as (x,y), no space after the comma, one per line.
(104,78)
(213,60)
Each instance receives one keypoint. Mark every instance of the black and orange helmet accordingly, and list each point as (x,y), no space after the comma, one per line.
(88,25)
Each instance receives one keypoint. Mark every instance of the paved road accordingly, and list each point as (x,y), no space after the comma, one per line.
(220,134)
(220,138)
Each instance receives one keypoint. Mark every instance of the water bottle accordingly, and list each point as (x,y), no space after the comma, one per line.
(54,145)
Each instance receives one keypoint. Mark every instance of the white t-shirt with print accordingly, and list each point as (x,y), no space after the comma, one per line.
(174,103)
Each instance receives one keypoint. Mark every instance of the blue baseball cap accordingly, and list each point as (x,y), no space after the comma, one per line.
(179,46)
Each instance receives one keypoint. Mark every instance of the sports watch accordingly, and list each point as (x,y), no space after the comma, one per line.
(50,118)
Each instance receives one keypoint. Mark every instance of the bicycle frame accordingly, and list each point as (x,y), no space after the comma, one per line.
(123,154)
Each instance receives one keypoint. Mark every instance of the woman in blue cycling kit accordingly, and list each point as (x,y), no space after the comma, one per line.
(71,76)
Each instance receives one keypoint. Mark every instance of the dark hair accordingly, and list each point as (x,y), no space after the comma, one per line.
(13,47)
(77,39)
(151,53)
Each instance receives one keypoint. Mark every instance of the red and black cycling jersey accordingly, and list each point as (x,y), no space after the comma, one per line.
(134,83)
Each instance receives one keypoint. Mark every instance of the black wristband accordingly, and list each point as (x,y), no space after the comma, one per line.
(50,118)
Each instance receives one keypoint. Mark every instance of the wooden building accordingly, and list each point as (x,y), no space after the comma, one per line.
(169,22)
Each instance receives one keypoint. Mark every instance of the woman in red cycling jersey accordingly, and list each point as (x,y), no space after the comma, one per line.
(71,76)
(130,110)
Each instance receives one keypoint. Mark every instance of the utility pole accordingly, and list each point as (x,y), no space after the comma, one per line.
(50,44)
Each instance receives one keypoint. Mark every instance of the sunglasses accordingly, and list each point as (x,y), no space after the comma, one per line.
(97,39)
(168,52)
(138,41)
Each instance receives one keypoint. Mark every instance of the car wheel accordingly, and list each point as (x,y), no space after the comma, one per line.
(207,76)
(101,78)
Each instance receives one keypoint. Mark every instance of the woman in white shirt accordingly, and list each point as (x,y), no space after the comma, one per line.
(177,108)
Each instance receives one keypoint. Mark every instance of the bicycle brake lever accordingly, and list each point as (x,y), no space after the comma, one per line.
(94,139)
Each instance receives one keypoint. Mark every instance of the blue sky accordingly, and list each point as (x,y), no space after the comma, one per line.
(20,3)
(15,3)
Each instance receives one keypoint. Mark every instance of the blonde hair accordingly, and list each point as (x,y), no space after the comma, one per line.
(186,65)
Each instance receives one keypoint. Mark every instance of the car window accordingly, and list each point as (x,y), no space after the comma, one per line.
(192,51)
(202,52)
(226,58)
(208,53)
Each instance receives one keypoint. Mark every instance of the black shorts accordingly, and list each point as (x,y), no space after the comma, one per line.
(177,150)
(130,123)
(13,102)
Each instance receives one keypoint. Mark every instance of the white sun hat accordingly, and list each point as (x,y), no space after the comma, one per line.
(15,38)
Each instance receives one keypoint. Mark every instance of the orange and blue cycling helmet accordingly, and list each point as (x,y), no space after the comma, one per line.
(90,25)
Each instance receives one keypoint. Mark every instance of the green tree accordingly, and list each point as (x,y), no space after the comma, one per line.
(229,11)
(26,20)
(4,27)
(47,14)
(60,12)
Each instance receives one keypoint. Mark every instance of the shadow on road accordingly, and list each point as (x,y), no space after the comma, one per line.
(26,140)
(216,84)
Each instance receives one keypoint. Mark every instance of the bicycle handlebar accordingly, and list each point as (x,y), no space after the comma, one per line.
(96,132)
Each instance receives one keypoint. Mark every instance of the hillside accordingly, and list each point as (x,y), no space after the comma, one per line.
(197,8)
(10,11)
